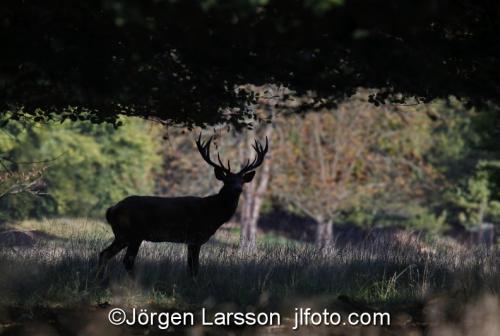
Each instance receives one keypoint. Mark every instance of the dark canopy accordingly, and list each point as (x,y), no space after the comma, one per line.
(183,60)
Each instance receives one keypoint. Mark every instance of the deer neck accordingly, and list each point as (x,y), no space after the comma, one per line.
(228,202)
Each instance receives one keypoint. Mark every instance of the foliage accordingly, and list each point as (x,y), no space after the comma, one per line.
(420,167)
(184,172)
(15,182)
(345,159)
(464,153)
(427,221)
(410,216)
(475,199)
(185,61)
(487,126)
(404,161)
(88,167)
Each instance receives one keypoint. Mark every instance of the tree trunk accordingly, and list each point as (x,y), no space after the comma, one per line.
(324,233)
(253,196)
(248,227)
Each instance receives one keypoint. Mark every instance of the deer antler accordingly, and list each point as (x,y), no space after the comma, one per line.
(204,149)
(261,153)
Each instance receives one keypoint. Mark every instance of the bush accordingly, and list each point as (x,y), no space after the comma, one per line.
(88,167)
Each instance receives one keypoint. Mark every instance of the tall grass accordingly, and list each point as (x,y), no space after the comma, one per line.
(60,272)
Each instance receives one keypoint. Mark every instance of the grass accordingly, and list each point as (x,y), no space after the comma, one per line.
(59,273)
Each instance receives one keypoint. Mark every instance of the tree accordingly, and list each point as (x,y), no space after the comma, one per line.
(323,161)
(87,167)
(254,194)
(334,161)
(474,197)
(16,182)
(183,171)
(17,177)
(185,62)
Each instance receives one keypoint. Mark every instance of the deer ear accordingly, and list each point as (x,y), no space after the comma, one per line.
(248,177)
(219,174)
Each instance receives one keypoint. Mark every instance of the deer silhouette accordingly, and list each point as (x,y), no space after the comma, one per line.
(188,220)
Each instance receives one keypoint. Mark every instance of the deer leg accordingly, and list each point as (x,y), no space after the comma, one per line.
(128,260)
(193,259)
(108,253)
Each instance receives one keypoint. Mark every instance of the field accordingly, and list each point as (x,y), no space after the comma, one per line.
(50,287)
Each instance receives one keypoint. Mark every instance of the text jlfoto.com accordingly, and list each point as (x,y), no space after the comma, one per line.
(301,317)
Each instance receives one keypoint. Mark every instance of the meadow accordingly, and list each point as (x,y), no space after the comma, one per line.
(51,285)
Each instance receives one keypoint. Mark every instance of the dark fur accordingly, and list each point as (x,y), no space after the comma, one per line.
(188,220)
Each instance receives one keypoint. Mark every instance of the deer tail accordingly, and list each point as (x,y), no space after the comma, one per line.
(110,214)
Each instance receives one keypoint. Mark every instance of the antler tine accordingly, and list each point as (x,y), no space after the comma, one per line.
(267,144)
(258,146)
(245,164)
(198,142)
(222,164)
(204,149)
(261,150)
(259,158)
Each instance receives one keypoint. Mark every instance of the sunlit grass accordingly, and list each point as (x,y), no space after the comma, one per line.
(61,272)
(443,287)
(66,227)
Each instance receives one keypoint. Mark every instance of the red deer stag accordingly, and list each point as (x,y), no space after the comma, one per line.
(189,220)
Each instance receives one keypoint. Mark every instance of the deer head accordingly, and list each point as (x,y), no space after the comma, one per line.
(233,182)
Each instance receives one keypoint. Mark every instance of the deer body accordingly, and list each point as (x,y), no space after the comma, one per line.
(171,219)
(189,220)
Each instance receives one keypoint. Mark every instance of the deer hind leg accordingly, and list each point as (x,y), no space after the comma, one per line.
(193,259)
(108,253)
(128,260)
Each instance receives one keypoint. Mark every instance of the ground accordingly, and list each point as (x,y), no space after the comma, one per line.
(49,285)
